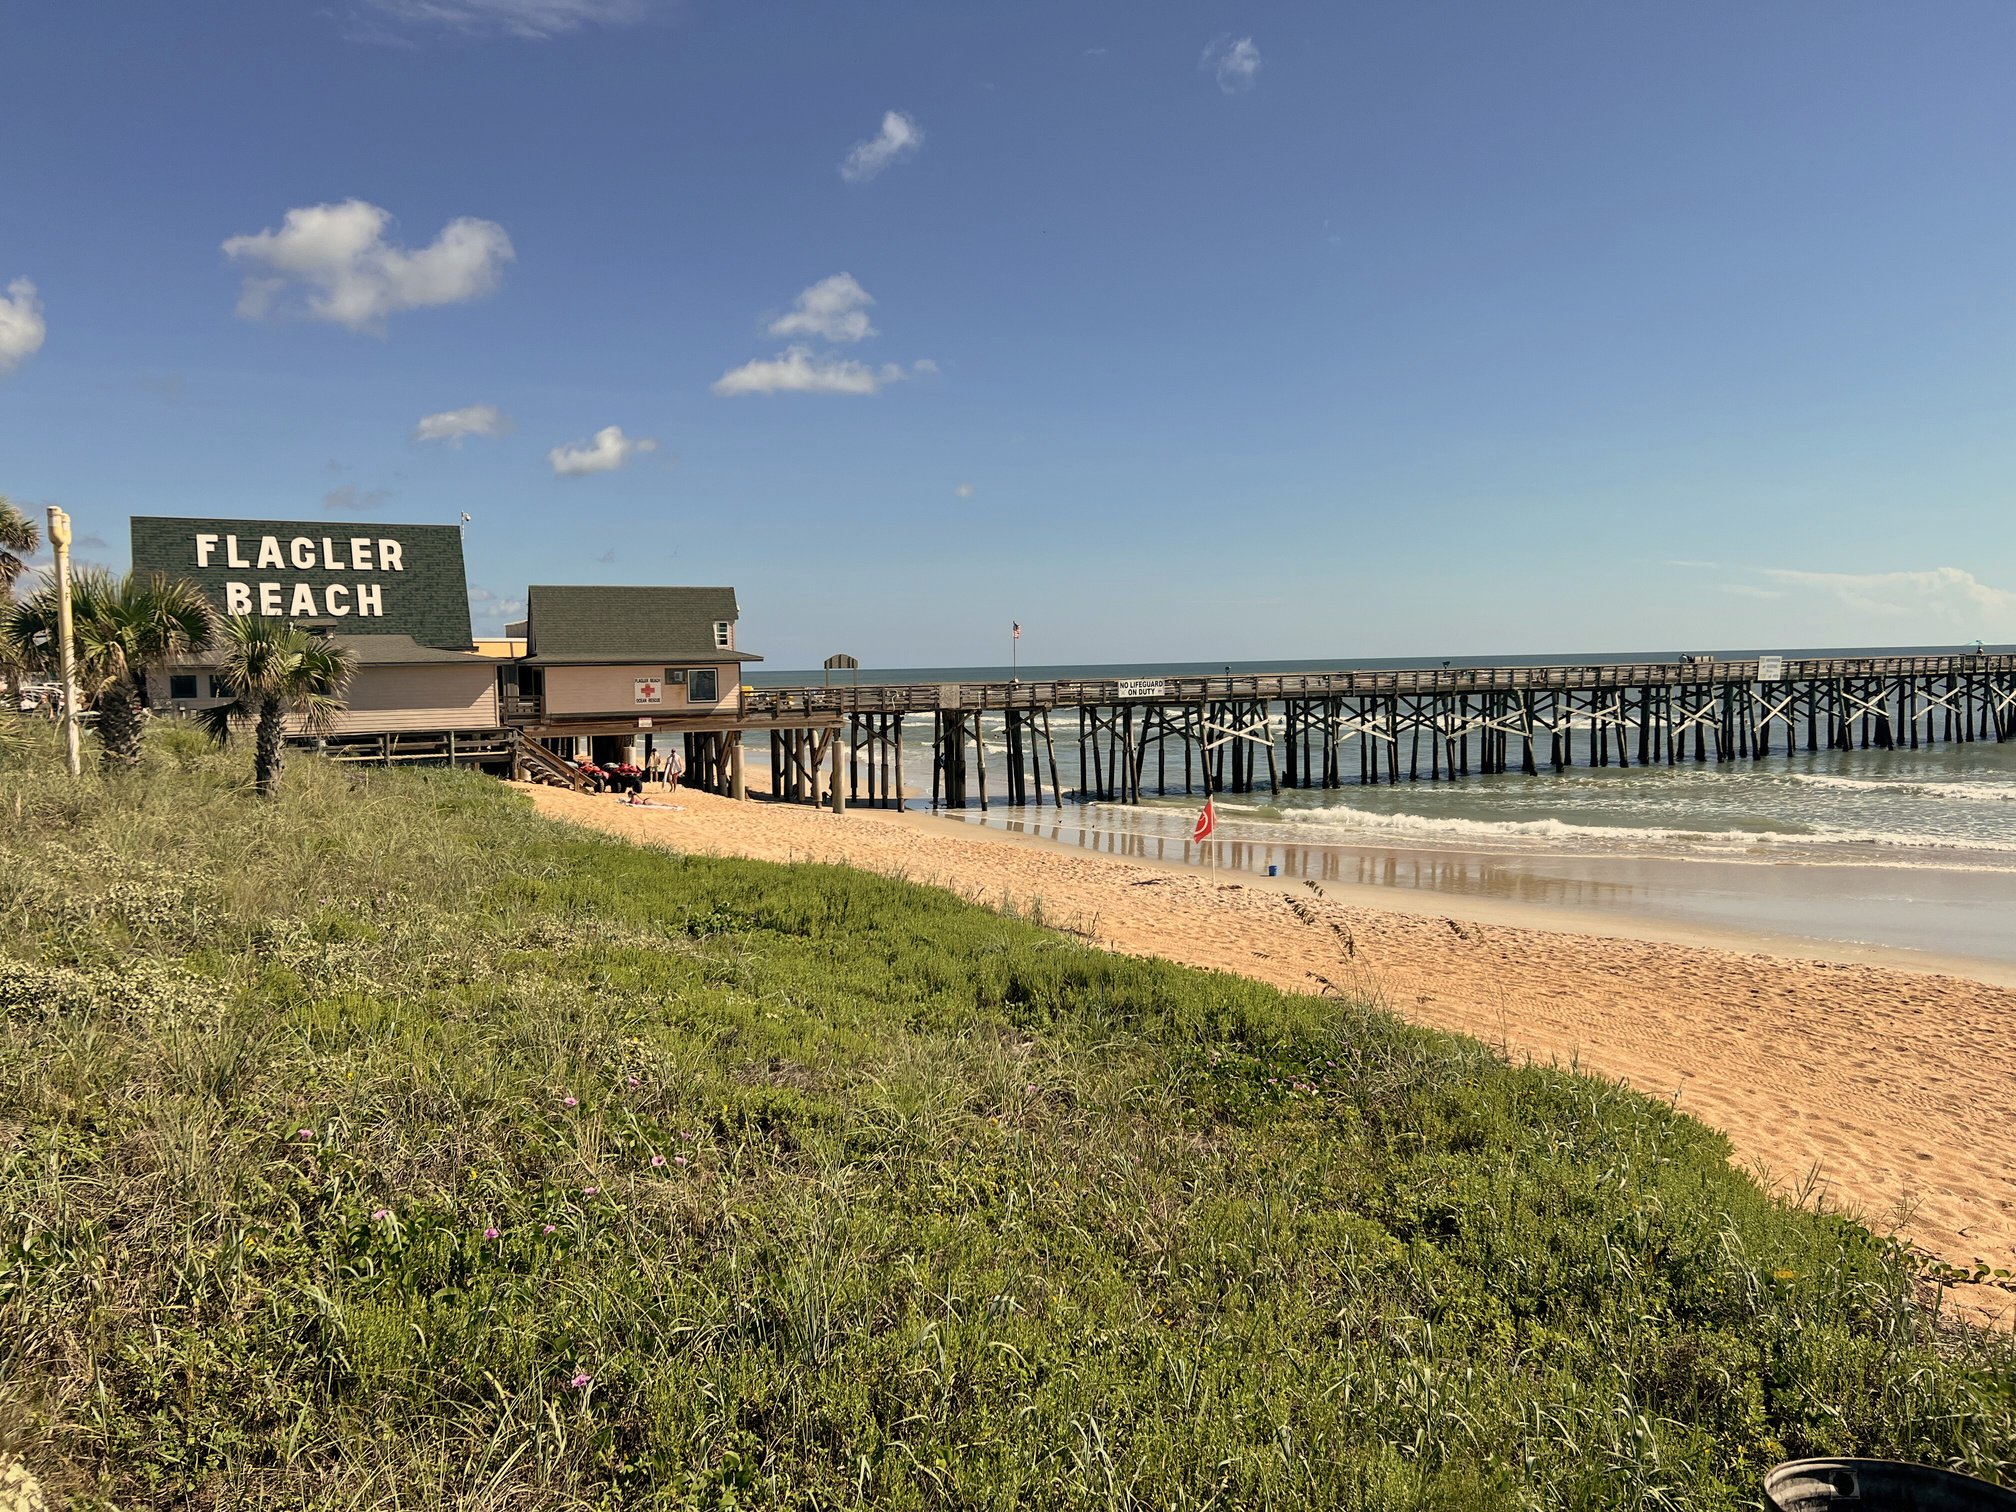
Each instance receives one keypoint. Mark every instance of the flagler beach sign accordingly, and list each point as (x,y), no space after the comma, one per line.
(384,580)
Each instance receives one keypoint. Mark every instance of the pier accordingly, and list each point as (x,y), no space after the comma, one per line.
(1235,734)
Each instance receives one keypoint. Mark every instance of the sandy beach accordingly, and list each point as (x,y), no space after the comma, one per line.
(1884,1086)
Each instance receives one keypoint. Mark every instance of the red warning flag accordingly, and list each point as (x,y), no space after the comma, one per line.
(1207,823)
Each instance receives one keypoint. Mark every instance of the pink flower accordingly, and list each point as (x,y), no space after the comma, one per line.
(588,1191)
(582,1382)
(304,1134)
(679,1159)
(546,1228)
(659,1160)
(570,1102)
(379,1215)
(490,1233)
(1031,1089)
(685,1134)
(634,1082)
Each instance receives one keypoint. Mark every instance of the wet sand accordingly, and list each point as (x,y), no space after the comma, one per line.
(1886,1080)
(1844,910)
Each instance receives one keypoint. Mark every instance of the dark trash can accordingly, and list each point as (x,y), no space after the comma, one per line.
(1866,1485)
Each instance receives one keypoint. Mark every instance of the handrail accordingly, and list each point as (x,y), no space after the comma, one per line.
(1269,686)
(539,756)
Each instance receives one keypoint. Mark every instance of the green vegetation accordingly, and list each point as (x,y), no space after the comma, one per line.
(19,538)
(388,1146)
(277,670)
(123,628)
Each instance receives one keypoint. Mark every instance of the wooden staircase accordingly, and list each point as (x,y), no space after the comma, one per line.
(533,762)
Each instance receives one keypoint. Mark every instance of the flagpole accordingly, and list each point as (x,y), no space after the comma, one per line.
(66,640)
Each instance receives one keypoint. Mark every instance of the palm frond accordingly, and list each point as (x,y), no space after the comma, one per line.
(318,712)
(263,658)
(19,539)
(217,720)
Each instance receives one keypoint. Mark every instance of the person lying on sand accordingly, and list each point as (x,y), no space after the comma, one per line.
(638,800)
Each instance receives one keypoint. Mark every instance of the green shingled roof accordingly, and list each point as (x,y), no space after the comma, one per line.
(402,651)
(570,624)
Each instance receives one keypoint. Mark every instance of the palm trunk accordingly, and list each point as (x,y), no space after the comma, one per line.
(119,726)
(268,748)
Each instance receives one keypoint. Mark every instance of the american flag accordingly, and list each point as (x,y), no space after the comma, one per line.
(1018,630)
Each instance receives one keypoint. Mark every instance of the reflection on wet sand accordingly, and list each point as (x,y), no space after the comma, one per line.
(1958,914)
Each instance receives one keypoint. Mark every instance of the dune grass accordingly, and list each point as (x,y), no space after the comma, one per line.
(389,1146)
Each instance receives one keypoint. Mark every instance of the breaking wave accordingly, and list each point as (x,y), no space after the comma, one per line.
(1345,824)
(1954,792)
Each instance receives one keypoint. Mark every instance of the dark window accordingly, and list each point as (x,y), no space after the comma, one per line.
(220,688)
(676,676)
(704,687)
(182,685)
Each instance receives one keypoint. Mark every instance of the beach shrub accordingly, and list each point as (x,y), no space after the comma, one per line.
(386,1145)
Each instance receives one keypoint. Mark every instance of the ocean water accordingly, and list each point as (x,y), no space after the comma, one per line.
(1943,806)
(1902,851)
(1912,850)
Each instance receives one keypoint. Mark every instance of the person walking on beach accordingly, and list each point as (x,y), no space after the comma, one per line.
(675,768)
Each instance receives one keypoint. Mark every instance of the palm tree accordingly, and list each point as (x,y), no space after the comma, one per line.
(123,628)
(18,540)
(277,669)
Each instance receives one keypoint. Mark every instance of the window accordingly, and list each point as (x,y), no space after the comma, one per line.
(675,676)
(220,688)
(724,635)
(182,685)
(704,687)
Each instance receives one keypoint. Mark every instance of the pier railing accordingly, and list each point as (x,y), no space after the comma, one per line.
(1106,692)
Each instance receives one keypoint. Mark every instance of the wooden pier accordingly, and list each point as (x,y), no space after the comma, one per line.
(1324,729)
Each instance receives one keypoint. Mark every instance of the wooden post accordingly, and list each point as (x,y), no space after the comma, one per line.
(838,794)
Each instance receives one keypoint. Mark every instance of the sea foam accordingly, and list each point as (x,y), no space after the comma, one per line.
(1345,825)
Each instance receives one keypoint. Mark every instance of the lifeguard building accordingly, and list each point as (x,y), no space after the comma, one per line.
(614,673)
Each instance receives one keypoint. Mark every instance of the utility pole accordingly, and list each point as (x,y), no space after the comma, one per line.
(66,645)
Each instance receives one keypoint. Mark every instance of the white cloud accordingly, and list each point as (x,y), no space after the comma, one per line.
(608,451)
(963,491)
(471,420)
(835,308)
(1946,594)
(533,19)
(338,259)
(899,137)
(349,499)
(1235,64)
(21,325)
(795,370)
(492,607)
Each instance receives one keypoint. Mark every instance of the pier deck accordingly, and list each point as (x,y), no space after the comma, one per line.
(1230,733)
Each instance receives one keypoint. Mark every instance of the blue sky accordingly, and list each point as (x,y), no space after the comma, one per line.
(1173,330)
